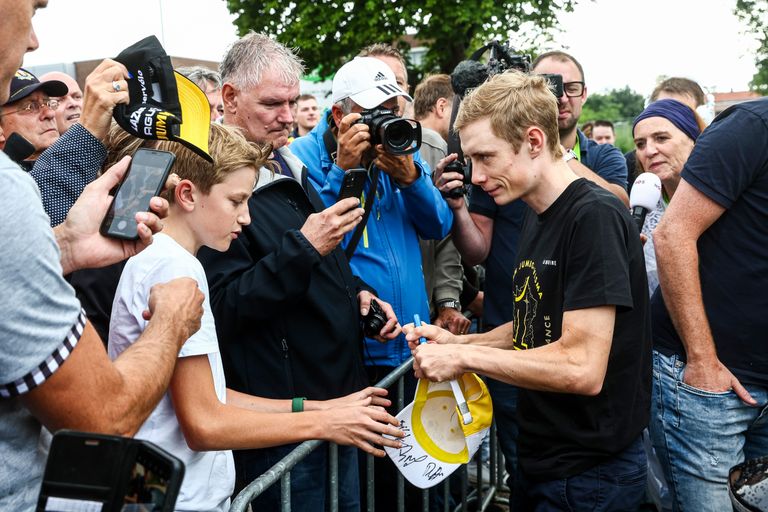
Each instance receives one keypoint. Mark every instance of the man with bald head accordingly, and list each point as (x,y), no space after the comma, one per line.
(71,104)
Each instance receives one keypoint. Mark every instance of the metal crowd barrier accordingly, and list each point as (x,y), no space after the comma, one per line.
(478,498)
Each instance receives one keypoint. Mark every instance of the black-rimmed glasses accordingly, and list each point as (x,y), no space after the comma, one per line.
(573,89)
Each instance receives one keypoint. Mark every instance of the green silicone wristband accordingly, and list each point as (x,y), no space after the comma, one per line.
(297,404)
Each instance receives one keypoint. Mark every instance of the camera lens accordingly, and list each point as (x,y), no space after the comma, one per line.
(398,134)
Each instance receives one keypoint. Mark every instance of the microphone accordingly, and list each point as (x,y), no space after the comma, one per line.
(18,148)
(468,74)
(644,197)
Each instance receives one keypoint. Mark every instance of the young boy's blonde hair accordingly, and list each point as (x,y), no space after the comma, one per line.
(513,101)
(226,145)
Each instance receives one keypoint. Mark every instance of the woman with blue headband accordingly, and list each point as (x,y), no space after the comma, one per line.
(664,135)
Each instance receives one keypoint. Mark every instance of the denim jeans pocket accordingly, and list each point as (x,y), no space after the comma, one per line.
(680,375)
(631,478)
(703,392)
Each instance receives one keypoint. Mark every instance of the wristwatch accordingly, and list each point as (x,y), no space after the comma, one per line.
(569,155)
(450,304)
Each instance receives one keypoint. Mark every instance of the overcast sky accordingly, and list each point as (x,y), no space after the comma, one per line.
(619,42)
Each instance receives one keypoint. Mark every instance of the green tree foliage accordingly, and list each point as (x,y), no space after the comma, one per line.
(620,106)
(755,14)
(617,105)
(329,31)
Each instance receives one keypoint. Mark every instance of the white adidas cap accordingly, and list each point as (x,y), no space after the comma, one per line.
(368,81)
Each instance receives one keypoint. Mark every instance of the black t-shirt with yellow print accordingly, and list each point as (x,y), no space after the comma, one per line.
(584,251)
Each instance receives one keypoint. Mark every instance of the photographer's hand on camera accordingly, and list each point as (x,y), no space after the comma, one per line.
(353,140)
(391,329)
(325,229)
(446,181)
(399,167)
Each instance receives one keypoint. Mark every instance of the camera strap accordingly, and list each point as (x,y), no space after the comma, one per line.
(329,141)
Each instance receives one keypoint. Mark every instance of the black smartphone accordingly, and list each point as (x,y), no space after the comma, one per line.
(353,183)
(86,472)
(145,179)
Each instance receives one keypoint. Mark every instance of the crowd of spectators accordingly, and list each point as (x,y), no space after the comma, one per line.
(231,329)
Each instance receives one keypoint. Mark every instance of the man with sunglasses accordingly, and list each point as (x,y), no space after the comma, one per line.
(485,232)
(30,111)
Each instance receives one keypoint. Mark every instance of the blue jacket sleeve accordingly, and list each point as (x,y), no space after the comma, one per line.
(426,208)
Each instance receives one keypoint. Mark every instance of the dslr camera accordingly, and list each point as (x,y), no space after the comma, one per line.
(466,172)
(555,83)
(374,321)
(398,136)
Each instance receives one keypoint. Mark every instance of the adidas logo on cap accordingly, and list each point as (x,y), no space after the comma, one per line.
(379,77)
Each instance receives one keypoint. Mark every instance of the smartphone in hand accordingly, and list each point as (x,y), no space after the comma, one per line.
(353,183)
(145,179)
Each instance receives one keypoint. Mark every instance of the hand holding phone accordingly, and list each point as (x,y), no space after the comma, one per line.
(145,179)
(353,183)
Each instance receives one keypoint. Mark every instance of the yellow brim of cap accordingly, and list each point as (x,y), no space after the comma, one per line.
(195,126)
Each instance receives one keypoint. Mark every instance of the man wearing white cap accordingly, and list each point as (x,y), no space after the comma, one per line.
(406,205)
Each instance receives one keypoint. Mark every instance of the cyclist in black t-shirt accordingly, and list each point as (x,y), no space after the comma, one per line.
(579,343)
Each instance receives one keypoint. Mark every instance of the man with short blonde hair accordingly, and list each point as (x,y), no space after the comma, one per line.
(513,104)
(578,347)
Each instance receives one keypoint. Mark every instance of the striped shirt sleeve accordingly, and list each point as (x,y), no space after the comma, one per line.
(48,367)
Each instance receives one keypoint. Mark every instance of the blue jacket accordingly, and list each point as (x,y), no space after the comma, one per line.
(387,257)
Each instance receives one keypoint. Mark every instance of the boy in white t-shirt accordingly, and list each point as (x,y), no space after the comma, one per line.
(199,420)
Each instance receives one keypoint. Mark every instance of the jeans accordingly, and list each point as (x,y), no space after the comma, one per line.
(309,478)
(617,484)
(700,435)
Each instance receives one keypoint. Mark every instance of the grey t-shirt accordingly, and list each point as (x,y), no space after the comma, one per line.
(40,325)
